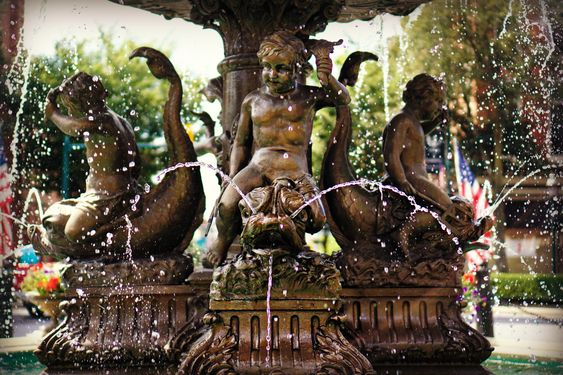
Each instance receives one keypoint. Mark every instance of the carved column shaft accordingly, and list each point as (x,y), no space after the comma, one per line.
(241,75)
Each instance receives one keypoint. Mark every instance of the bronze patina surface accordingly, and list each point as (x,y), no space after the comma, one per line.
(397,261)
(273,134)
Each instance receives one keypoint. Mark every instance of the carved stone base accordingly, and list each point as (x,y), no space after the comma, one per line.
(110,327)
(411,325)
(304,338)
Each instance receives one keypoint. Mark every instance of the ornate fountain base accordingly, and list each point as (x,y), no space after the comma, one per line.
(111,327)
(411,325)
(273,313)
(302,338)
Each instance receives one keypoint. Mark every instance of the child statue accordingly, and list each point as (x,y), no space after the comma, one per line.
(405,163)
(111,153)
(404,136)
(274,129)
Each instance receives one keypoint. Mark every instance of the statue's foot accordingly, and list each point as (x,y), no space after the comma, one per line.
(213,258)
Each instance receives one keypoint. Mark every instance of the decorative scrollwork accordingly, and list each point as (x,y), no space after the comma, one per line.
(338,356)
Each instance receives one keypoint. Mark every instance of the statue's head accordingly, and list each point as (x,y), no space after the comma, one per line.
(83,92)
(282,55)
(425,93)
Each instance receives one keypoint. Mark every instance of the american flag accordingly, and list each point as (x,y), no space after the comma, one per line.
(469,188)
(6,235)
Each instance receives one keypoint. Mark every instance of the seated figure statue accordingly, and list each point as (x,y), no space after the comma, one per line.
(111,153)
(275,124)
(405,163)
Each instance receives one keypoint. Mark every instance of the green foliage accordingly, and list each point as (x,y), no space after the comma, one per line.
(515,287)
(493,58)
(133,93)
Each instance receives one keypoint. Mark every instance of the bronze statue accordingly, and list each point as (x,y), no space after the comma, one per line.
(114,217)
(274,130)
(404,135)
(111,152)
(381,223)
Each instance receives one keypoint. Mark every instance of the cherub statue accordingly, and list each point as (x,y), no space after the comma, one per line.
(405,163)
(274,130)
(113,219)
(111,153)
(404,135)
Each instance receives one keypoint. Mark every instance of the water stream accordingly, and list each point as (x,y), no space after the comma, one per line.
(269,311)
(224,177)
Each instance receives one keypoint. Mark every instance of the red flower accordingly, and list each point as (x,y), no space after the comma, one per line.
(52,284)
(469,278)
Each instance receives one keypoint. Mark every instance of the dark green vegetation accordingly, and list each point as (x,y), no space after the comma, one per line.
(538,288)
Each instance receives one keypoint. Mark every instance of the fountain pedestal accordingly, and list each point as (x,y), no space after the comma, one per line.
(112,324)
(292,327)
(403,314)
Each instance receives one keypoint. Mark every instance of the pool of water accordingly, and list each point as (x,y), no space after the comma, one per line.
(25,363)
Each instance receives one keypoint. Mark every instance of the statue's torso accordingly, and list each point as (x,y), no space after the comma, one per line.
(281,130)
(111,154)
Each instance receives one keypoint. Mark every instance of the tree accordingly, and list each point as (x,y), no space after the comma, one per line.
(496,58)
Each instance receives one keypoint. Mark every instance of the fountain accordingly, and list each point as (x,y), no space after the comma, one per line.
(387,302)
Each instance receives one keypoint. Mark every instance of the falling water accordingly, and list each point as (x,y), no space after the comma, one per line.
(508,15)
(128,248)
(548,35)
(224,177)
(33,192)
(385,63)
(269,311)
(26,67)
(501,198)
(365,183)
(16,220)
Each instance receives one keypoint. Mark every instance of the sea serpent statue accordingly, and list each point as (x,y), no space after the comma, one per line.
(114,219)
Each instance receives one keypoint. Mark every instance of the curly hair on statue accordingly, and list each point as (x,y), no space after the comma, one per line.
(284,41)
(83,91)
(421,86)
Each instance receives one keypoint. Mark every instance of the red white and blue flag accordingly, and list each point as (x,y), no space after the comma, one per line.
(6,235)
(468,187)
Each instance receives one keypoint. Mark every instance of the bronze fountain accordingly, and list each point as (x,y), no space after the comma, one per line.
(386,302)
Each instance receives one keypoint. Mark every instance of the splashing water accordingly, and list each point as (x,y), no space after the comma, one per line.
(128,248)
(33,192)
(269,311)
(15,220)
(508,15)
(385,63)
(372,185)
(200,164)
(513,175)
(501,198)
(26,72)
(548,35)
